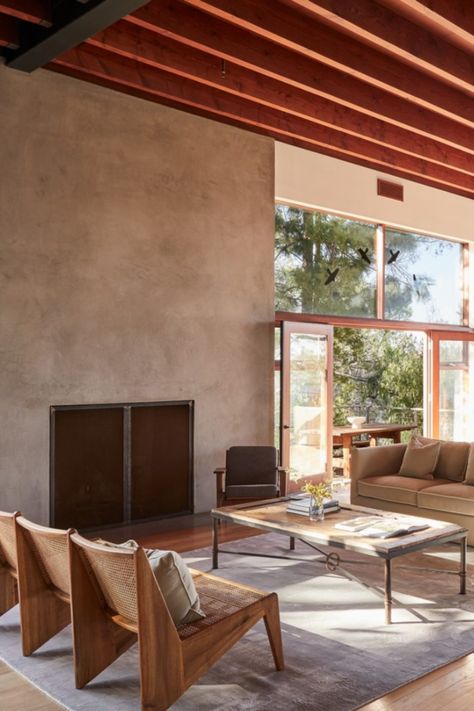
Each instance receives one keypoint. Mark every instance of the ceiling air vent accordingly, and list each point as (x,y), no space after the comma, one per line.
(390,190)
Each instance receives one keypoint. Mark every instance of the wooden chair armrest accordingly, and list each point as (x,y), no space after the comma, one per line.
(283,480)
(220,474)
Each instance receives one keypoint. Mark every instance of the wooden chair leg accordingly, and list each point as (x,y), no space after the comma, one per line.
(161,658)
(8,591)
(97,640)
(272,624)
(42,613)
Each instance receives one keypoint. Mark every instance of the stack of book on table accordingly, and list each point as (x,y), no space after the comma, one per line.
(378,527)
(300,505)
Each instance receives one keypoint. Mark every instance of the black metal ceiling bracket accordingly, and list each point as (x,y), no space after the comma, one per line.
(73,22)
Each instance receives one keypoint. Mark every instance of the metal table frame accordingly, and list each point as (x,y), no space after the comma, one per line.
(332,560)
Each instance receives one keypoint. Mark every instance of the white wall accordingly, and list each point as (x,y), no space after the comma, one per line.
(312,180)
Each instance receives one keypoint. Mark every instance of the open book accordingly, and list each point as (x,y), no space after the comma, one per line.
(389,528)
(357,524)
(377,527)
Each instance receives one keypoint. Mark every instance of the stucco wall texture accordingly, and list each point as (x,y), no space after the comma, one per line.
(136,265)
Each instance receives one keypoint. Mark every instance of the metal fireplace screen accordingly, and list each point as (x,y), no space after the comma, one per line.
(119,463)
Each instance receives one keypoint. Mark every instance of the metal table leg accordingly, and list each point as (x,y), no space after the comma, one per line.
(463,569)
(215,543)
(388,592)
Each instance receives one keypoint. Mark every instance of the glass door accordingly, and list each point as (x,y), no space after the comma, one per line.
(306,399)
(452,386)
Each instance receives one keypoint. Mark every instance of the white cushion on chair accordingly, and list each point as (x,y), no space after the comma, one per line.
(175,581)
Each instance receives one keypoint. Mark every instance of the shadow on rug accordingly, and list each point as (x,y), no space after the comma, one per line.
(339,653)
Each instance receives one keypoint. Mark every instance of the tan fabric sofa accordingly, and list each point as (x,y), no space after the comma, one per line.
(375,483)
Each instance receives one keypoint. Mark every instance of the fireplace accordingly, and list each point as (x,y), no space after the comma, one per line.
(120,463)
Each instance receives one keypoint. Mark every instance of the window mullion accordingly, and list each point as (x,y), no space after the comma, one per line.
(380,266)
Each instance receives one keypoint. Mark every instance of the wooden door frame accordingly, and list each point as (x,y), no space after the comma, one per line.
(310,328)
(434,338)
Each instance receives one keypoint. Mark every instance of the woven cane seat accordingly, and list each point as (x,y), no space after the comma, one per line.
(219,599)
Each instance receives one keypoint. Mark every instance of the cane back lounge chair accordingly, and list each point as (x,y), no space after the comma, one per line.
(8,562)
(116,600)
(43,582)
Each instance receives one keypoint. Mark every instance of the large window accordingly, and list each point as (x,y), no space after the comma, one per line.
(324,264)
(423,279)
(327,265)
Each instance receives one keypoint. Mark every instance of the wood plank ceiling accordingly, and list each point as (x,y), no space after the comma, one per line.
(387,84)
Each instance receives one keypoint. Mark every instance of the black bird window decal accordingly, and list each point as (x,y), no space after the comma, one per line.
(364,255)
(393,256)
(331,276)
(415,285)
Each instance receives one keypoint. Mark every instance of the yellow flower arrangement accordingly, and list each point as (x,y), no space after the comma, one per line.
(319,492)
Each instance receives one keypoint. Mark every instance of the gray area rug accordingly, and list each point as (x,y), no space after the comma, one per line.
(339,653)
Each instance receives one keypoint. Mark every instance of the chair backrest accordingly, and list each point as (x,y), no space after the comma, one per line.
(8,539)
(251,465)
(113,575)
(49,548)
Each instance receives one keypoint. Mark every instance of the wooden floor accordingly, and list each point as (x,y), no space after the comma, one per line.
(450,688)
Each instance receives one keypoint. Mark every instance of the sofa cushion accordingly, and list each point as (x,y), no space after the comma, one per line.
(392,487)
(470,467)
(452,460)
(451,497)
(420,459)
(250,491)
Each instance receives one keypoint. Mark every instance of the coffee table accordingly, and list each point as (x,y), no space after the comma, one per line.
(271,516)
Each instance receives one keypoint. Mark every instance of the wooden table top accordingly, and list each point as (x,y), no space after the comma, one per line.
(272,516)
(376,428)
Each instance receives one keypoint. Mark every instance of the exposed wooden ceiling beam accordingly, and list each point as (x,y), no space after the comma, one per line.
(123,73)
(278,23)
(452,19)
(9,32)
(126,40)
(382,28)
(36,11)
(209,34)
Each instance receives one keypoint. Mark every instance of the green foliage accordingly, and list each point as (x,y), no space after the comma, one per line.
(308,244)
(379,373)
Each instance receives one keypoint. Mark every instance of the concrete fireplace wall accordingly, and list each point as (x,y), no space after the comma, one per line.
(136,264)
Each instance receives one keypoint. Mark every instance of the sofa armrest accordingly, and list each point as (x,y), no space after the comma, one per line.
(375,461)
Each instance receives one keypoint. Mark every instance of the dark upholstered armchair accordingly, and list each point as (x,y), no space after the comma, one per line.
(250,473)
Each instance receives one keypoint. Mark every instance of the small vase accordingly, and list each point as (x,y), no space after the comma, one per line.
(316,510)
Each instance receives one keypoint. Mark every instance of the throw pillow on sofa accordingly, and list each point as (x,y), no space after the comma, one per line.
(175,581)
(420,459)
(452,458)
